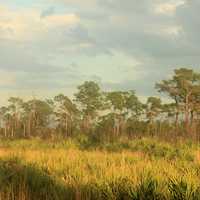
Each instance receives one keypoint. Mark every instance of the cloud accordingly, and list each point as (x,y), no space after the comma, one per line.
(59,20)
(47,12)
(123,44)
(79,3)
(7,79)
(168,8)
(28,24)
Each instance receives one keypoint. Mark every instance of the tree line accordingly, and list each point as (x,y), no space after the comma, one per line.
(107,115)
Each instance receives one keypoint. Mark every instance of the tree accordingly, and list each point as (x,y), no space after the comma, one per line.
(153,109)
(184,89)
(124,105)
(11,117)
(134,107)
(65,111)
(135,110)
(36,115)
(172,111)
(89,98)
(15,108)
(117,104)
(4,119)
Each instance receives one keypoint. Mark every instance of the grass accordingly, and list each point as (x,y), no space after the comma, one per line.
(142,169)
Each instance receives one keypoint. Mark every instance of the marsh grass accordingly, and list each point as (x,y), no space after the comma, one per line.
(19,181)
(143,169)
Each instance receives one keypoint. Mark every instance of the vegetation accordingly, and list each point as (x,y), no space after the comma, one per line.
(140,169)
(109,115)
(103,144)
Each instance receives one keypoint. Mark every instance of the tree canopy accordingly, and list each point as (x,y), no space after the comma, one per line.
(109,114)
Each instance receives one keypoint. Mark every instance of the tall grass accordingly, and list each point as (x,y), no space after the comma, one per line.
(143,169)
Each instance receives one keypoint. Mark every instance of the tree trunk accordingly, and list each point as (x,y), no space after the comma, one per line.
(176,123)
(116,127)
(66,125)
(12,132)
(87,123)
(193,123)
(5,129)
(24,126)
(29,126)
(187,115)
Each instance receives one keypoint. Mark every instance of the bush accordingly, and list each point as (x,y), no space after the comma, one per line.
(27,182)
(181,190)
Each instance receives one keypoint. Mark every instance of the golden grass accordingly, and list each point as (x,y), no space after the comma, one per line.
(75,167)
(90,165)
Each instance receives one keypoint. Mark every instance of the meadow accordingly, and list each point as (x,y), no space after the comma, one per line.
(141,169)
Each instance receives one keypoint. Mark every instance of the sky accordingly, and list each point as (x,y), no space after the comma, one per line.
(51,46)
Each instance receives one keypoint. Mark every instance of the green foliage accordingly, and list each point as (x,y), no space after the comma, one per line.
(147,189)
(107,116)
(27,182)
(89,97)
(181,190)
(184,89)
(155,148)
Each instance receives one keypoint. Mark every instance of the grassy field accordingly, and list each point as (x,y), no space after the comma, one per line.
(141,169)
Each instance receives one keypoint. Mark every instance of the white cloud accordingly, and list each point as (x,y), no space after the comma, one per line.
(28,24)
(7,79)
(168,8)
(172,30)
(82,3)
(166,31)
(60,20)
